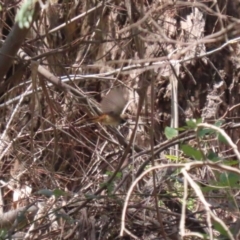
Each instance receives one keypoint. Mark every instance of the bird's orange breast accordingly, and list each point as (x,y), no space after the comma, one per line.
(107,119)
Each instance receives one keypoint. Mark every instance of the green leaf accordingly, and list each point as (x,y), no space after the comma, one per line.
(118,175)
(45,192)
(91,196)
(207,189)
(212,156)
(220,229)
(231,162)
(171,157)
(228,179)
(181,129)
(219,123)
(170,132)
(192,124)
(58,193)
(204,131)
(199,120)
(3,233)
(222,139)
(191,152)
(49,193)
(110,188)
(24,15)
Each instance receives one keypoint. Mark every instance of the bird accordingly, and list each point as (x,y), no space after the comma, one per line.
(112,106)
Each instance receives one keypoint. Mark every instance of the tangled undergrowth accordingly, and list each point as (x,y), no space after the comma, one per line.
(171,171)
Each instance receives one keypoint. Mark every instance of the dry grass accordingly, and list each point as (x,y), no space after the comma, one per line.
(74,179)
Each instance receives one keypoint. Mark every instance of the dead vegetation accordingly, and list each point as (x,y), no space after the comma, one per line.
(63,177)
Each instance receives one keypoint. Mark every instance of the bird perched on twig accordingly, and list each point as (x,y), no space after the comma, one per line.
(112,107)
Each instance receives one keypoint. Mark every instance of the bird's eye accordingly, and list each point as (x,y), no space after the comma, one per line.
(123,120)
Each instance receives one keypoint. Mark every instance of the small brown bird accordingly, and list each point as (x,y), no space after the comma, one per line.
(112,106)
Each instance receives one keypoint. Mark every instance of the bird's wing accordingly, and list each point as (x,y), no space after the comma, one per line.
(115,101)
